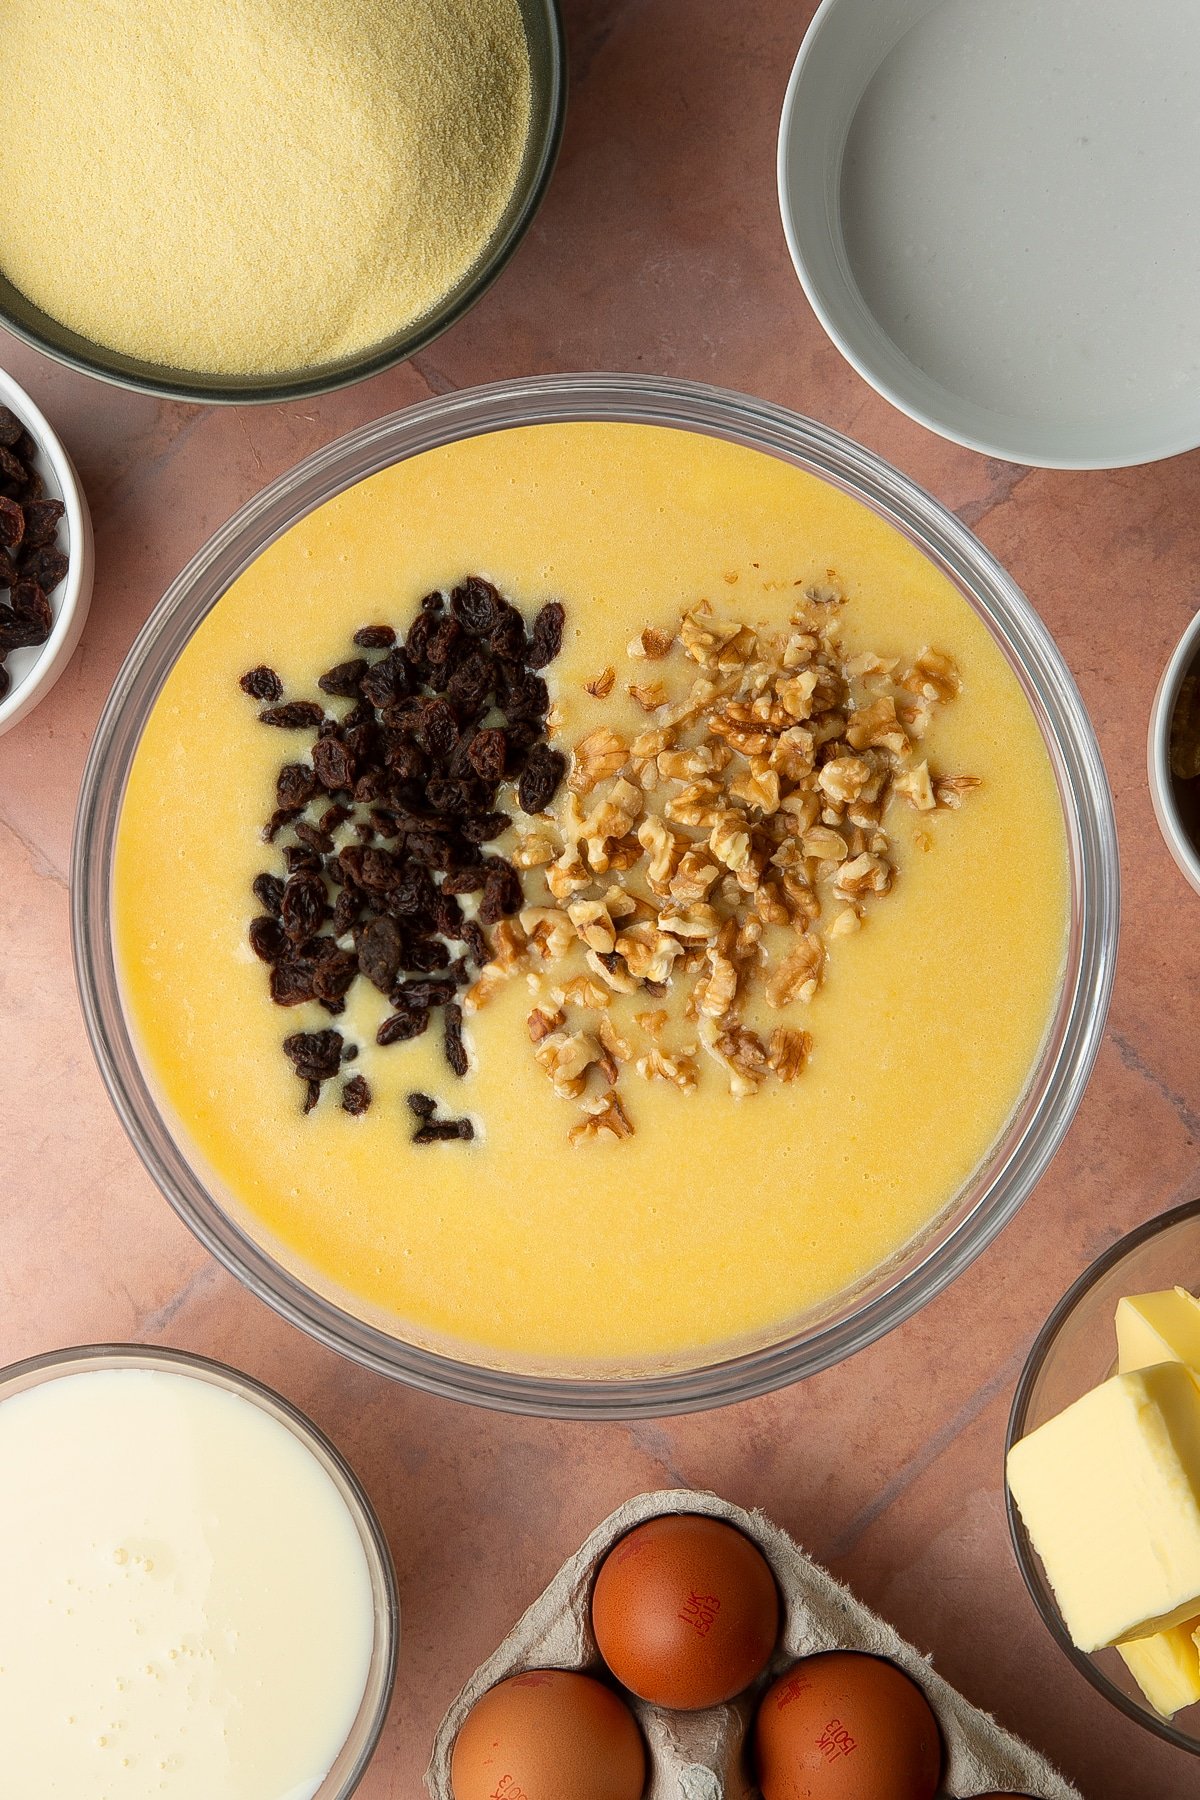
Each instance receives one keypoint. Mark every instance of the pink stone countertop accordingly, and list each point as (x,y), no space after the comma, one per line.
(659,249)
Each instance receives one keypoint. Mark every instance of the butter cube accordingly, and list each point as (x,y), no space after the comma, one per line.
(1110,1495)
(1155,1328)
(1167,1667)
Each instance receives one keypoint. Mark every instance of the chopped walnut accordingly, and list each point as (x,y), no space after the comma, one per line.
(798,975)
(933,676)
(611,1121)
(949,789)
(601,686)
(541,1023)
(598,756)
(653,644)
(788,1052)
(534,851)
(649,695)
(916,786)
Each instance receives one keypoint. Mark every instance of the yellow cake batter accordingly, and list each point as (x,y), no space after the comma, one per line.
(722,1220)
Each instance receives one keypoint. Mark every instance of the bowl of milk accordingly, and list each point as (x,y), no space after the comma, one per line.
(993,210)
(198,1599)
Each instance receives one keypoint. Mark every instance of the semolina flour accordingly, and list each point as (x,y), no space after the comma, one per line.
(253,186)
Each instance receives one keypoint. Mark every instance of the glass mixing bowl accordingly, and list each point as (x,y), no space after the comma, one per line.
(350,1764)
(548,101)
(1033,1133)
(1074,1352)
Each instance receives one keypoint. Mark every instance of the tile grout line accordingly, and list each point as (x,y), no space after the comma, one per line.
(917,1465)
(1132,1060)
(43,867)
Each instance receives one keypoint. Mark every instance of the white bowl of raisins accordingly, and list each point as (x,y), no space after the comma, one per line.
(46,555)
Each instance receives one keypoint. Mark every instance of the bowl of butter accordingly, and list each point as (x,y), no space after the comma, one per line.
(1103,1465)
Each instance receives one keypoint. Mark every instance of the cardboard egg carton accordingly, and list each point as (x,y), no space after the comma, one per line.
(703,1755)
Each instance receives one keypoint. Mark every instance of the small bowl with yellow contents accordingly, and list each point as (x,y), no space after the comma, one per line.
(1104,1475)
(273,203)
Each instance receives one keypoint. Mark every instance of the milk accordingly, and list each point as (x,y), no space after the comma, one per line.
(185,1601)
(1020,201)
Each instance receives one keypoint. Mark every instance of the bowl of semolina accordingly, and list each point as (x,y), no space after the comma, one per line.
(269,201)
(595,895)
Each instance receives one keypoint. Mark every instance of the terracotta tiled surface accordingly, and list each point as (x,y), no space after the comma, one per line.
(659,249)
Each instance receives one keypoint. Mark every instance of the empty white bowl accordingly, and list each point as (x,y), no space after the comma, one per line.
(34,672)
(993,210)
(1183,842)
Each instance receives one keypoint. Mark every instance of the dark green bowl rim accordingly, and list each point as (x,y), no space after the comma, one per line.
(541,154)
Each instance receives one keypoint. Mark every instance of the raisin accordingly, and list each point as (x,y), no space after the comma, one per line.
(335,975)
(434,601)
(501,894)
(404,758)
(540,778)
(423,994)
(295,785)
(345,679)
(345,912)
(475,604)
(387,680)
(12,468)
(401,1026)
(468,880)
(281,817)
(419,633)
(18,633)
(315,1055)
(413,892)
(41,521)
(32,607)
(292,981)
(448,796)
(303,908)
(445,641)
(333,816)
(437,728)
(448,916)
(8,569)
(312,1093)
(484,828)
(422,1105)
(380,871)
(300,860)
(261,683)
(507,638)
(375,637)
(452,1038)
(268,891)
(316,840)
(5,681)
(334,765)
(356,1096)
(294,715)
(267,939)
(545,640)
(527,698)
(444,1131)
(487,751)
(474,937)
(46,565)
(425,955)
(379,949)
(12,524)
(470,685)
(11,427)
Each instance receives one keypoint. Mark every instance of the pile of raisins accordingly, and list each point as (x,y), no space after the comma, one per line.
(437,724)
(31,563)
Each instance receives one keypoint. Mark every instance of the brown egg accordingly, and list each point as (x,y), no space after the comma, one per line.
(846,1727)
(548,1735)
(685,1611)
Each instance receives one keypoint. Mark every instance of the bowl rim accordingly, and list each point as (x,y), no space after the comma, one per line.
(25,694)
(50,1365)
(1027,454)
(1185,851)
(1041,1116)
(89,358)
(1023,1550)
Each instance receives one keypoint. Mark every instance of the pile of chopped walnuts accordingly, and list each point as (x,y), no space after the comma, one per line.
(721,850)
